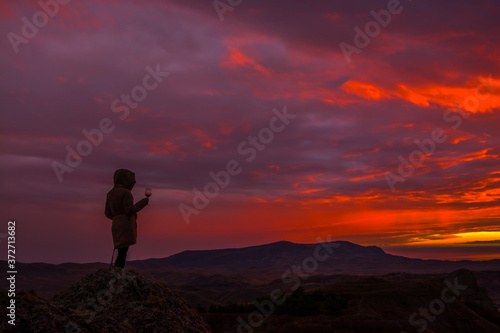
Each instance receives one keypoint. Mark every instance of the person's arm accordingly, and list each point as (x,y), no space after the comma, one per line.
(128,204)
(107,211)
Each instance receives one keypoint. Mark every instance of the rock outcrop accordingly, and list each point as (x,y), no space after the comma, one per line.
(108,300)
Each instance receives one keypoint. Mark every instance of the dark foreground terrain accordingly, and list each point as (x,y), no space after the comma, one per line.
(276,287)
(108,300)
(115,300)
(454,303)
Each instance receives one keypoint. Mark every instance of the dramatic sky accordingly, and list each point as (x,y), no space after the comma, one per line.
(356,105)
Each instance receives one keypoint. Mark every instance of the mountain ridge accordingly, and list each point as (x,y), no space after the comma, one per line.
(250,265)
(283,242)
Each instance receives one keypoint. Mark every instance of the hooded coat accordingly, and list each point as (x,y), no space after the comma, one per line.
(121,209)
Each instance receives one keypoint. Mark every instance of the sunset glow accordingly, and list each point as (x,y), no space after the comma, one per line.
(399,147)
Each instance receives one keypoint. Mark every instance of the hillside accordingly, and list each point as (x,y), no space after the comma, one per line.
(369,305)
(203,275)
(108,300)
(344,287)
(341,257)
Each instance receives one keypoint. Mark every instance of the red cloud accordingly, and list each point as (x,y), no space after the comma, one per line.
(234,59)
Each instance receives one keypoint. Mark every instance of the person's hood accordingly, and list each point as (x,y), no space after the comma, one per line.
(125,178)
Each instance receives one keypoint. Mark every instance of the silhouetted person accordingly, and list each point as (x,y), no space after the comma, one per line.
(121,209)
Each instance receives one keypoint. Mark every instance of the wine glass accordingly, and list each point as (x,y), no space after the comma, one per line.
(148,192)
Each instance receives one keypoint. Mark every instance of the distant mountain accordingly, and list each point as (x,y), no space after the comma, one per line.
(115,300)
(274,256)
(383,289)
(249,265)
(338,257)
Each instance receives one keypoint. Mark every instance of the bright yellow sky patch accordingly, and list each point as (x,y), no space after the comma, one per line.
(458,239)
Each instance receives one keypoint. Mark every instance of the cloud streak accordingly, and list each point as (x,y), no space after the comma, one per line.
(324,174)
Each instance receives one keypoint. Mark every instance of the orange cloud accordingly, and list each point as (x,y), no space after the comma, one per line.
(478,98)
(364,90)
(449,162)
(465,98)
(234,58)
(458,238)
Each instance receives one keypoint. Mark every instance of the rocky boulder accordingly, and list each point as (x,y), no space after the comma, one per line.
(108,300)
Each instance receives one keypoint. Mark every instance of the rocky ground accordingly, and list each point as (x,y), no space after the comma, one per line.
(108,300)
(453,304)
